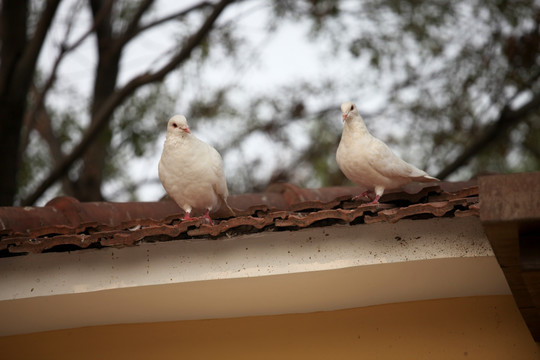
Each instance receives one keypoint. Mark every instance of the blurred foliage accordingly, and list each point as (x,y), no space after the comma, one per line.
(447,68)
(136,125)
(452,66)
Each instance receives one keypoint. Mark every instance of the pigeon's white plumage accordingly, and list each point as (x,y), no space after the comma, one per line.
(368,162)
(191,171)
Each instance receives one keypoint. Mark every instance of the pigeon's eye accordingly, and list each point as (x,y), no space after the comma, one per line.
(174,125)
(352,107)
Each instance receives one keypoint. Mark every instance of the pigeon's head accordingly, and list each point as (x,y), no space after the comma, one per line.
(348,109)
(178,125)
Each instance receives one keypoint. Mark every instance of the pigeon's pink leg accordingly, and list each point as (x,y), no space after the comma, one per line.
(188,216)
(207,216)
(376,200)
(358,197)
(379,190)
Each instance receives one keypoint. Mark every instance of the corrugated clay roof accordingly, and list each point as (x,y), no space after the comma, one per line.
(66,224)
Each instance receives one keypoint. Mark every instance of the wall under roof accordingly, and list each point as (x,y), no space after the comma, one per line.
(458,328)
(314,269)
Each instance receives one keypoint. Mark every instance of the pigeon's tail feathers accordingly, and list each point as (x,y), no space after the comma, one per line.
(425,178)
(224,211)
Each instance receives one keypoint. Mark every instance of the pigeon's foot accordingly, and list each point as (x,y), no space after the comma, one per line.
(376,200)
(362,195)
(207,217)
(189,217)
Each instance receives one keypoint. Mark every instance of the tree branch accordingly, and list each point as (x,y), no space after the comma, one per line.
(128,36)
(176,15)
(39,101)
(507,119)
(105,112)
(33,48)
(134,23)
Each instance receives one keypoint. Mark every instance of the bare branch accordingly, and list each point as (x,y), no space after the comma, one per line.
(33,49)
(104,114)
(507,119)
(134,23)
(97,20)
(129,35)
(39,101)
(179,14)
(183,55)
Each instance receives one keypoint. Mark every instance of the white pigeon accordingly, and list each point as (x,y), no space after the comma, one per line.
(368,162)
(191,172)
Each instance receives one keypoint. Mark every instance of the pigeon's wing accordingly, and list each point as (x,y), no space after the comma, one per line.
(388,164)
(224,210)
(216,167)
(220,184)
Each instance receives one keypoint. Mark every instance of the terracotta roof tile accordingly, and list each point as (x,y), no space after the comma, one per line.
(432,209)
(67,224)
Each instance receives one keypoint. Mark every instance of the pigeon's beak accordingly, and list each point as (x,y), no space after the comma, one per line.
(344,116)
(186,129)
